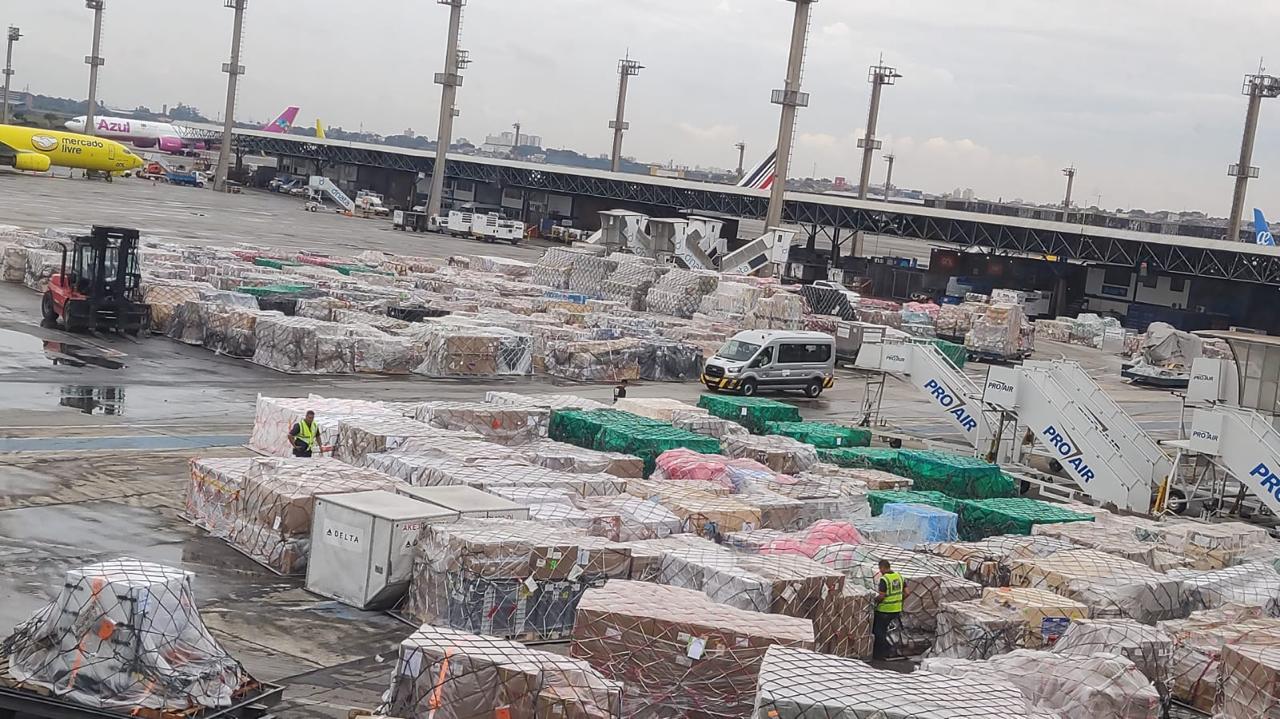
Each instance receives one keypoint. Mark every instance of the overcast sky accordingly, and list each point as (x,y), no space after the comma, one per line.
(1143,96)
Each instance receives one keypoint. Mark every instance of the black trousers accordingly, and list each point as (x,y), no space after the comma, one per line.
(880,626)
(301,449)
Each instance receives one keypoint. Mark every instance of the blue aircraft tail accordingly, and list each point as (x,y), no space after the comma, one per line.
(1262,230)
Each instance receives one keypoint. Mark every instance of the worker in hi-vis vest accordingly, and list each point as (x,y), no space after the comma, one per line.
(891,590)
(304,436)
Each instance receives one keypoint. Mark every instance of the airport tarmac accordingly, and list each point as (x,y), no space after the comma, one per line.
(95,433)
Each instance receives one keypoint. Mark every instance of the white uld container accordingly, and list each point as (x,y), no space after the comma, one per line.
(362,546)
(466,501)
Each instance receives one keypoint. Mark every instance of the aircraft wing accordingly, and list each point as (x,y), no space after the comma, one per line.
(7,153)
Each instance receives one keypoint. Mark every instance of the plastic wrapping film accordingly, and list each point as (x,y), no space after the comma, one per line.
(358,436)
(827,301)
(997,331)
(701,512)
(125,636)
(1111,586)
(678,652)
(799,684)
(614,431)
(165,298)
(1198,644)
(1206,546)
(989,561)
(781,454)
(462,351)
(1115,535)
(878,499)
(727,474)
(1004,620)
(872,479)
(502,265)
(1149,648)
(554,268)
(595,360)
(1253,584)
(821,434)
(232,331)
(630,282)
(489,475)
(658,408)
(932,524)
(564,457)
(781,311)
(447,674)
(679,292)
(299,345)
(1249,682)
(957,475)
(509,424)
(955,321)
(823,497)
(275,416)
(272,522)
(701,423)
(589,273)
(980,518)
(40,266)
(505,578)
(215,486)
(550,401)
(802,542)
(13,263)
(751,412)
(669,361)
(1058,330)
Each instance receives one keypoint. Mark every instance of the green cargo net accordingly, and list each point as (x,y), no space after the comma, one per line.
(958,354)
(750,412)
(880,497)
(268,290)
(822,435)
(956,475)
(981,518)
(881,458)
(610,430)
(274,264)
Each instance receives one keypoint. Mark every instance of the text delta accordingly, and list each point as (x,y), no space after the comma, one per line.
(1059,442)
(1268,481)
(953,405)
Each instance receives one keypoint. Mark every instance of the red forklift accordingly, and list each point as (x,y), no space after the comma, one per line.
(99,290)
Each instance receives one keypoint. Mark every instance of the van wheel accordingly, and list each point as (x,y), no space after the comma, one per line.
(748,388)
(814,389)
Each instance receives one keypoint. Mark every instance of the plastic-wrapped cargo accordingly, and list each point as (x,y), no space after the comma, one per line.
(981,518)
(457,350)
(879,499)
(823,435)
(165,298)
(1199,641)
(1253,584)
(799,684)
(595,360)
(781,454)
(13,263)
(1207,546)
(631,281)
(702,423)
(780,311)
(933,524)
(40,266)
(989,561)
(502,424)
(731,475)
(751,412)
(1003,620)
(878,458)
(670,361)
(299,345)
(1102,685)
(231,330)
(823,497)
(564,457)
(1111,586)
(358,436)
(678,652)
(803,542)
(550,401)
(1114,535)
(871,479)
(275,416)
(614,431)
(662,409)
(679,292)
(1149,648)
(504,578)
(126,637)
(215,486)
(448,674)
(701,512)
(998,331)
(1249,682)
(1058,330)
(956,475)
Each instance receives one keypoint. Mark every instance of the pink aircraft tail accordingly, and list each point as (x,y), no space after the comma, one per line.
(283,123)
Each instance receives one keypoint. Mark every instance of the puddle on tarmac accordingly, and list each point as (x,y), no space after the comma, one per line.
(21,351)
(107,401)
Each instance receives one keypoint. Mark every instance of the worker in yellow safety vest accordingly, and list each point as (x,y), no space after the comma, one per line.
(304,436)
(891,590)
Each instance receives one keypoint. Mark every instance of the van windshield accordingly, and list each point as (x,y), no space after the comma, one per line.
(737,351)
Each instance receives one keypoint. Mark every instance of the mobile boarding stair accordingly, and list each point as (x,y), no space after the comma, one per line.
(695,242)
(319,187)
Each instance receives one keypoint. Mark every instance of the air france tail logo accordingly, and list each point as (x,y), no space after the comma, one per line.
(1069,454)
(953,403)
(1268,481)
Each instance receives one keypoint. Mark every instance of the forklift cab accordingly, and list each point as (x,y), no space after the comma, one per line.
(97,286)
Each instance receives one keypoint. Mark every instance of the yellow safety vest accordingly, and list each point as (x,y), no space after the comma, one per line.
(307,433)
(892,602)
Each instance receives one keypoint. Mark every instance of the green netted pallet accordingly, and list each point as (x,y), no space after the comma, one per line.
(268,290)
(879,458)
(610,430)
(955,475)
(982,518)
(349,270)
(274,264)
(821,434)
(750,412)
(958,354)
(880,497)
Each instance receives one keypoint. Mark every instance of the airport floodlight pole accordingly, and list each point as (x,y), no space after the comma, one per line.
(888,176)
(627,68)
(742,155)
(94,62)
(14,35)
(1256,87)
(790,98)
(879,76)
(234,70)
(449,82)
(1070,173)
(516,142)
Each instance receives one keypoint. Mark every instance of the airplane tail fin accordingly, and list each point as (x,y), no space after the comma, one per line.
(761,176)
(1262,230)
(283,123)
(319,129)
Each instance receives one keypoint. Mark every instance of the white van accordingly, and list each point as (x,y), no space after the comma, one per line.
(773,360)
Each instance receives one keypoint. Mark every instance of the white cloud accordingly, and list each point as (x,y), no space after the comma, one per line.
(836,29)
(708,133)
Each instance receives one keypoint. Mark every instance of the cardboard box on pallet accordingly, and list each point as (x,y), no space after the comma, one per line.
(679,652)
(1003,620)
(1111,586)
(448,674)
(989,561)
(1198,643)
(211,496)
(1249,683)
(501,424)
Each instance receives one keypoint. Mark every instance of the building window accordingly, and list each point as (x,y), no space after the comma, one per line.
(1117,276)
(1177,284)
(1151,281)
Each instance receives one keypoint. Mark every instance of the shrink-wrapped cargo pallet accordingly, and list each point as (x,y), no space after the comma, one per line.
(1199,642)
(272,522)
(701,512)
(998,331)
(1149,648)
(679,292)
(630,282)
(931,523)
(448,674)
(550,401)
(512,474)
(828,301)
(981,518)
(957,475)
(614,431)
(564,457)
(231,330)
(661,409)
(13,263)
(871,479)
(701,423)
(212,493)
(554,267)
(595,360)
(728,474)
(823,435)
(125,637)
(415,468)
(1114,535)
(504,578)
(1109,585)
(989,561)
(303,346)
(678,652)
(165,298)
(1249,682)
(589,273)
(802,542)
(1004,620)
(274,416)
(358,436)
(40,266)
(751,412)
(799,684)
(1207,546)
(501,424)
(670,361)
(878,499)
(781,311)
(781,454)
(1253,584)
(470,351)
(1058,330)
(1102,685)
(877,458)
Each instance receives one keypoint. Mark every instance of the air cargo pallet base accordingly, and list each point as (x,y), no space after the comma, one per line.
(994,358)
(18,700)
